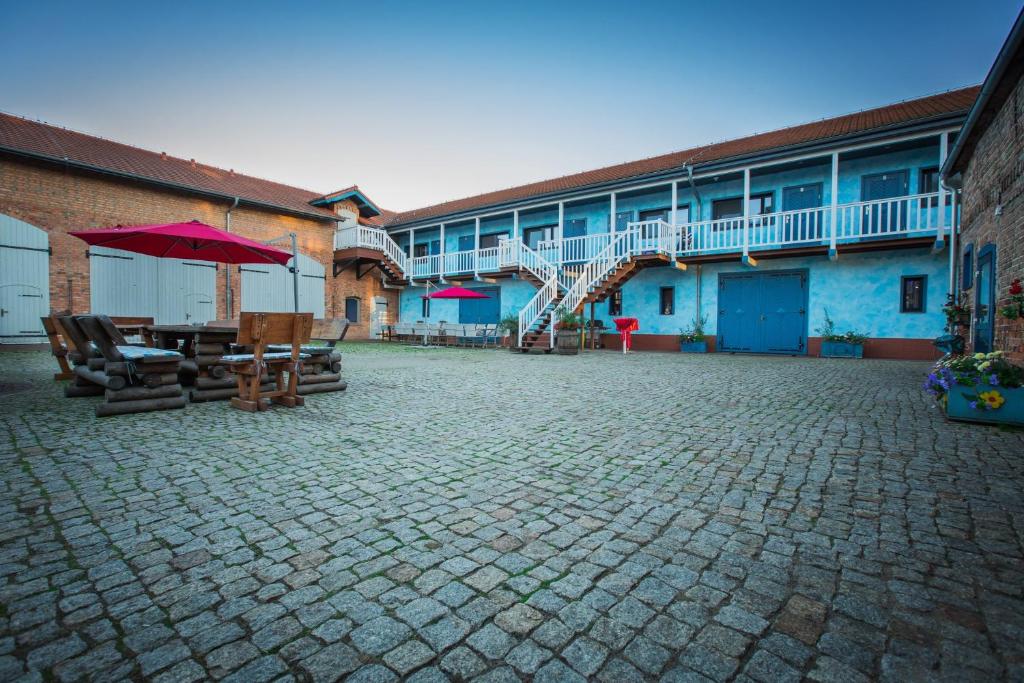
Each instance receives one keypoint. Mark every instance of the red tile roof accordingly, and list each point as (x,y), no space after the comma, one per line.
(955,101)
(43,140)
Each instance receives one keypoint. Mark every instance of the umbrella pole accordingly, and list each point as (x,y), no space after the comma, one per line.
(295,271)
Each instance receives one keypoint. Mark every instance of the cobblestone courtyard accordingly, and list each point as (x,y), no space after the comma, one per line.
(458,514)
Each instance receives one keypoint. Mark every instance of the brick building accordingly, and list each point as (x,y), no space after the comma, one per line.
(987,163)
(53,181)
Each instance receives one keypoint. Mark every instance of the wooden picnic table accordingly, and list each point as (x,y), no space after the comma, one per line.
(168,336)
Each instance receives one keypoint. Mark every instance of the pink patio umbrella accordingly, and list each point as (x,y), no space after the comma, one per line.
(192,240)
(456,293)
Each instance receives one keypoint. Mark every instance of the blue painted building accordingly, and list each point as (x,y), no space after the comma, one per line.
(759,237)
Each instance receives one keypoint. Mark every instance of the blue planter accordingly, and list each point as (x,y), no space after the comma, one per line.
(693,347)
(1011,412)
(831,349)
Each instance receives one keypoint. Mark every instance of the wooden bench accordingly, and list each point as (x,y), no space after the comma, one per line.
(58,346)
(136,379)
(321,372)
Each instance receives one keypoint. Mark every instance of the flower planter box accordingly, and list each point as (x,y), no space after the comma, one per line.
(693,347)
(831,349)
(1011,412)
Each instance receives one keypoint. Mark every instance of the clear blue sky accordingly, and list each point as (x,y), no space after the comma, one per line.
(421,102)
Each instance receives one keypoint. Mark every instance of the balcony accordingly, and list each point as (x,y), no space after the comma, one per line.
(915,220)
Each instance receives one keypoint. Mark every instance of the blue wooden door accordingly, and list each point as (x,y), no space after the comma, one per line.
(984,300)
(762,312)
(884,218)
(481,310)
(435,247)
(783,312)
(739,311)
(802,226)
(467,242)
(574,228)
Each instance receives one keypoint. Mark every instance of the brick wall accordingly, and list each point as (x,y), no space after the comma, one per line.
(993,183)
(59,200)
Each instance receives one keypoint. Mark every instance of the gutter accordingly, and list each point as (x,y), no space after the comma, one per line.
(1004,59)
(673,172)
(70,163)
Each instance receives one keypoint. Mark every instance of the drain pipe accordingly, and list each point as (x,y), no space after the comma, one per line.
(952,185)
(700,216)
(696,193)
(228,303)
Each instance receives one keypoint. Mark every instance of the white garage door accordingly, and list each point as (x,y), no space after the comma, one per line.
(172,291)
(271,288)
(24,281)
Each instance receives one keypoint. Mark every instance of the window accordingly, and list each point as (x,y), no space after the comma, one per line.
(491,239)
(912,293)
(928,183)
(622,219)
(668,301)
(352,309)
(654,214)
(534,236)
(760,204)
(421,250)
(425,308)
(615,303)
(967,268)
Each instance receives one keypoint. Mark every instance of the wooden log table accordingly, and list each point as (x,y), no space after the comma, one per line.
(203,346)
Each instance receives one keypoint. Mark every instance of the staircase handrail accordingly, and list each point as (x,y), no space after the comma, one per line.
(599,267)
(532,311)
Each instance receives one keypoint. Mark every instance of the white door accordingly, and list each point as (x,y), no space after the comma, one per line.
(24,281)
(380,316)
(272,288)
(168,290)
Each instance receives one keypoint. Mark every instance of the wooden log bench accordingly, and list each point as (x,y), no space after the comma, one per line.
(147,377)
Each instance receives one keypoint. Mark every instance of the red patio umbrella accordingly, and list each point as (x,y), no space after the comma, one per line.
(192,240)
(456,293)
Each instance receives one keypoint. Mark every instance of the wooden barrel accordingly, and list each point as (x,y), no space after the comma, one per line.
(567,342)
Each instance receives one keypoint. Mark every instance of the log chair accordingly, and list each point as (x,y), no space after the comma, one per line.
(58,347)
(261,330)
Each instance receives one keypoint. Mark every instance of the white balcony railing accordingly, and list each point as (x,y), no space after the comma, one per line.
(915,215)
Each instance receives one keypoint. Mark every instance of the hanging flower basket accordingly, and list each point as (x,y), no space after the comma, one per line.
(983,388)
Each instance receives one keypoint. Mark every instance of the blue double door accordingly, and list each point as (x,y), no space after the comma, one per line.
(763,312)
(477,311)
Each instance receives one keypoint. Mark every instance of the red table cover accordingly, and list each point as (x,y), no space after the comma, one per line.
(626,328)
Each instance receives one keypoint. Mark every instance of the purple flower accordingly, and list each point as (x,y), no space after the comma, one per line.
(993,380)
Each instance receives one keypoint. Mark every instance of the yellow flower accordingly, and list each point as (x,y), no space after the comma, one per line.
(979,356)
(993,399)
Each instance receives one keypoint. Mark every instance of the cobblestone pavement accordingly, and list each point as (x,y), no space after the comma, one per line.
(461,514)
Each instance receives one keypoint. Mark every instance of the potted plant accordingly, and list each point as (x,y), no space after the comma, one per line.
(1014,307)
(510,326)
(693,340)
(567,335)
(957,314)
(835,345)
(985,387)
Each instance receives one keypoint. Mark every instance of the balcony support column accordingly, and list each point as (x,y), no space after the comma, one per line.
(515,224)
(476,249)
(834,214)
(412,254)
(941,232)
(674,217)
(612,217)
(440,267)
(746,219)
(560,228)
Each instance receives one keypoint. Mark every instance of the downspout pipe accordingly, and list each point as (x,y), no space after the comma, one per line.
(696,193)
(952,185)
(228,303)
